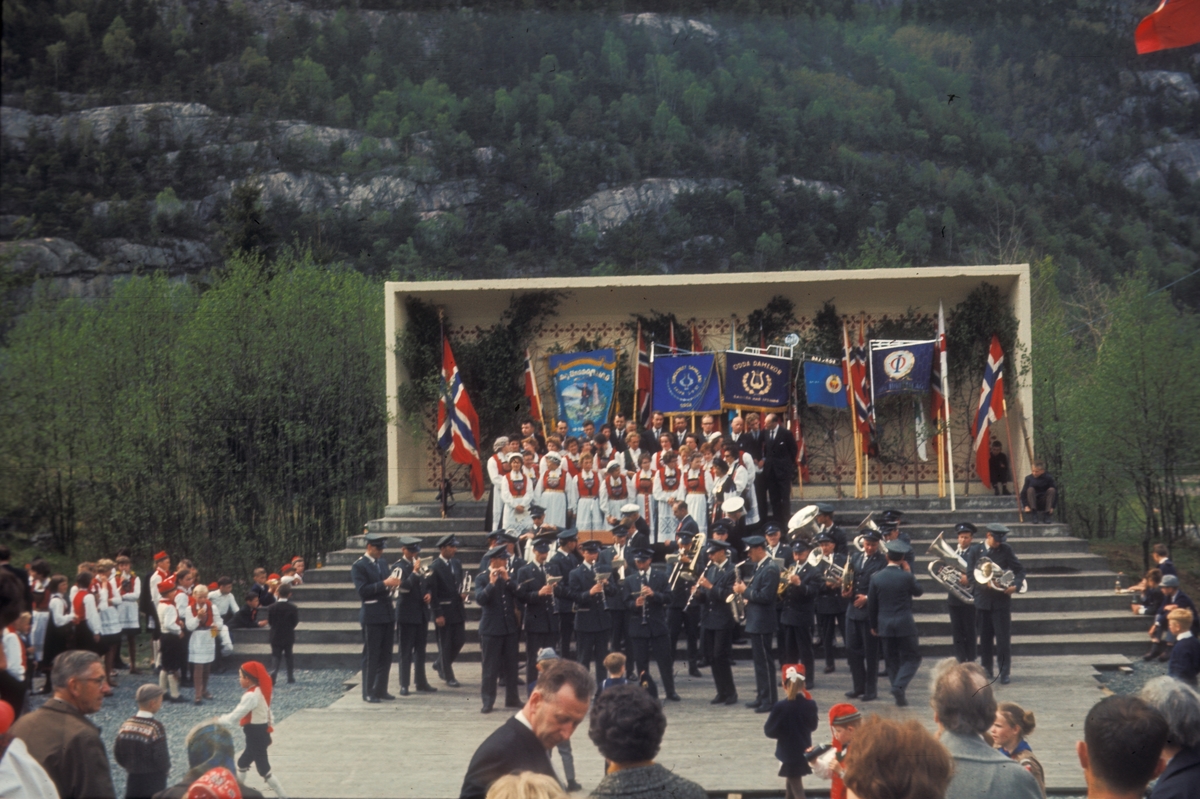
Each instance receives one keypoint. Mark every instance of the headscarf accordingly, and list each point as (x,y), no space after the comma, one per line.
(259,673)
(209,746)
(219,783)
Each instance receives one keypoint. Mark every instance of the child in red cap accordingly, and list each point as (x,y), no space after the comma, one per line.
(844,718)
(253,714)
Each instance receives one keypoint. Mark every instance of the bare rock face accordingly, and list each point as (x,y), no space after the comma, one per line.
(672,26)
(611,208)
(1149,175)
(169,255)
(49,257)
(1177,87)
(817,187)
(311,191)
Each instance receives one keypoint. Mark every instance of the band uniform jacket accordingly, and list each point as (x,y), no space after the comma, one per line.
(607,555)
(762,593)
(512,748)
(864,569)
(443,584)
(368,576)
(498,601)
(655,612)
(683,588)
(799,601)
(590,613)
(1183,602)
(840,540)
(640,537)
(539,610)
(561,564)
(971,555)
(830,601)
(989,598)
(779,455)
(717,613)
(889,602)
(411,607)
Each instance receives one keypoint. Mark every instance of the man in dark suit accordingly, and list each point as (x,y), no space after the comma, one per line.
(889,603)
(540,621)
(993,604)
(373,583)
(798,602)
(554,710)
(529,430)
(761,594)
(684,523)
(680,433)
(831,605)
(590,587)
(412,620)
(646,594)
(714,589)
(862,648)
(617,438)
(779,469)
(650,442)
(499,630)
(444,585)
(962,614)
(565,561)
(682,616)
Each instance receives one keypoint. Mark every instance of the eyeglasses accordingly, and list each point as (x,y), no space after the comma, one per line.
(96,680)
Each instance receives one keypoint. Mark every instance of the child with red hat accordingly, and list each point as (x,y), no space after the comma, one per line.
(844,719)
(253,714)
(172,647)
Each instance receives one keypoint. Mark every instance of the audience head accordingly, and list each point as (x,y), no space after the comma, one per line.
(844,719)
(1179,620)
(559,702)
(123,562)
(285,591)
(57,584)
(83,580)
(1012,725)
(104,566)
(962,698)
(879,745)
(1122,742)
(793,683)
(149,697)
(614,663)
(1161,551)
(1154,577)
(209,746)
(627,725)
(77,677)
(251,599)
(1179,704)
(12,597)
(40,567)
(526,785)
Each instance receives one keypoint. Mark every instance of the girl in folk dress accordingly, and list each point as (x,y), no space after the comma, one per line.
(110,617)
(643,483)
(553,444)
(668,489)
(253,714)
(695,484)
(665,444)
(39,579)
(60,629)
(516,489)
(205,626)
(584,497)
(551,491)
(127,591)
(496,469)
(633,453)
(615,491)
(172,650)
(572,462)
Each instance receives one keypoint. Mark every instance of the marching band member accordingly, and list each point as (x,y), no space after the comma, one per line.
(799,600)
(668,489)
(516,491)
(412,620)
(695,485)
(646,595)
(444,585)
(993,606)
(499,629)
(611,557)
(761,594)
(589,585)
(615,491)
(962,614)
(862,648)
(643,481)
(551,490)
(682,616)
(826,524)
(565,560)
(714,588)
(889,603)
(831,605)
(584,497)
(539,621)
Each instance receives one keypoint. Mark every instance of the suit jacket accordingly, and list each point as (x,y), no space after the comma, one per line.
(762,592)
(717,613)
(650,441)
(284,618)
(510,749)
(617,440)
(799,601)
(688,524)
(539,610)
(590,613)
(779,455)
(246,618)
(411,609)
(752,444)
(791,724)
(616,601)
(443,585)
(656,606)
(265,597)
(640,537)
(1185,660)
(68,745)
(1167,567)
(889,602)
(864,569)
(562,564)
(499,603)
(368,577)
(989,598)
(979,770)
(1180,778)
(679,438)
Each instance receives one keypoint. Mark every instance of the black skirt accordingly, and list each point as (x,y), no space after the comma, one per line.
(58,640)
(174,652)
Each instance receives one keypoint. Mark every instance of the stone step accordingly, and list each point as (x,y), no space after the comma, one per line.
(419,524)
(1016,530)
(434,510)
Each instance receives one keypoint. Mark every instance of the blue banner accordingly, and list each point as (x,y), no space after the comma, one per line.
(901,367)
(686,384)
(757,382)
(825,384)
(583,387)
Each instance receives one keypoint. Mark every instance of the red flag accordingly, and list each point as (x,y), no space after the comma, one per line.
(458,424)
(696,345)
(642,381)
(531,389)
(1175,23)
(801,450)
(991,409)
(858,387)
(672,324)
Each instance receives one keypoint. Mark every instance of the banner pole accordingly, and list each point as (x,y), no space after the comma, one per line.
(1011,473)
(941,467)
(916,456)
(614,409)
(443,494)
(946,418)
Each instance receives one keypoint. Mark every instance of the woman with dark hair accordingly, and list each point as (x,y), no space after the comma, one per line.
(627,726)
(1012,725)
(60,630)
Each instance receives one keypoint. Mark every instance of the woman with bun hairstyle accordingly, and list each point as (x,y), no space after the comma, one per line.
(1013,723)
(253,714)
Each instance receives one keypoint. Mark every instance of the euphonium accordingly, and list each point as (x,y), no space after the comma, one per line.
(948,568)
(988,574)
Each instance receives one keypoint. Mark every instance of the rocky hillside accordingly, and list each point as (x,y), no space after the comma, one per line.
(480,143)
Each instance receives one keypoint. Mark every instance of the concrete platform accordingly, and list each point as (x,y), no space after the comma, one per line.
(722,748)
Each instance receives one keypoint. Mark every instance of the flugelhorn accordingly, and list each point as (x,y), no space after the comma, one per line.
(948,569)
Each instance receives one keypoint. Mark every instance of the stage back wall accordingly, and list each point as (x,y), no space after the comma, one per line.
(602,307)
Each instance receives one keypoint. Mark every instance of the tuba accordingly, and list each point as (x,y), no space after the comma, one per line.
(948,568)
(803,523)
(987,573)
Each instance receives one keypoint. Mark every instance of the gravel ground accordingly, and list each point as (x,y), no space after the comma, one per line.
(1121,682)
(315,688)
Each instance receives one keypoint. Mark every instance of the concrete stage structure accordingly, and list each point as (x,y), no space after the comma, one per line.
(601,308)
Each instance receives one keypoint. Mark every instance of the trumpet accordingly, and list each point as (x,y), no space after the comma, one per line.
(948,569)
(787,573)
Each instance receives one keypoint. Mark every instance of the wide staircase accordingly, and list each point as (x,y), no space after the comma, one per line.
(1070,608)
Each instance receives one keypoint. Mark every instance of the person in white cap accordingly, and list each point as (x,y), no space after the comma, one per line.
(496,469)
(551,491)
(734,509)
(615,491)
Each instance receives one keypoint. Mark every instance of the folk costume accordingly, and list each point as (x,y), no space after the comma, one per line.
(668,489)
(551,494)
(615,491)
(584,500)
(516,490)
(643,483)
(253,715)
(695,484)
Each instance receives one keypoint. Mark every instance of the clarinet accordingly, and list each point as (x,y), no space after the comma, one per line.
(645,602)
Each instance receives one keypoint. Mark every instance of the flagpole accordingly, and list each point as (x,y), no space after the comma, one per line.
(615,409)
(443,495)
(946,415)
(853,405)
(916,456)
(1011,472)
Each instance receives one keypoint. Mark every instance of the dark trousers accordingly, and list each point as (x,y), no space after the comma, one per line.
(143,786)
(862,650)
(620,638)
(566,634)
(660,648)
(689,622)
(827,626)
(413,638)
(962,627)
(902,655)
(281,652)
(377,658)
(258,739)
(500,657)
(533,643)
(718,648)
(995,624)
(1039,502)
(450,642)
(765,686)
(760,493)
(798,648)
(779,497)
(593,647)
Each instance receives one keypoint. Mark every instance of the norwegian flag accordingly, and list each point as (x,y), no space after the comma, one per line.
(672,342)
(858,384)
(458,424)
(642,381)
(801,450)
(531,388)
(991,409)
(1175,23)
